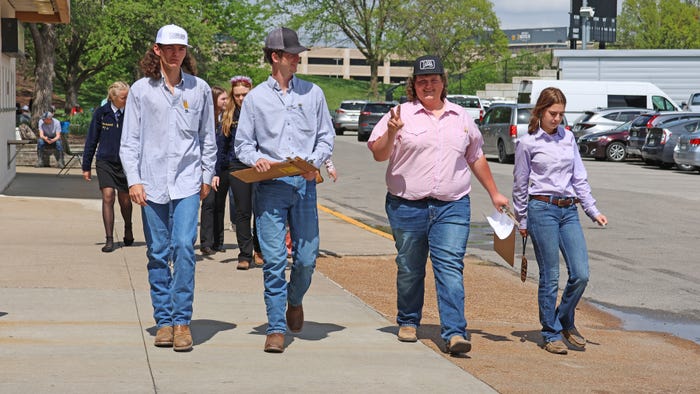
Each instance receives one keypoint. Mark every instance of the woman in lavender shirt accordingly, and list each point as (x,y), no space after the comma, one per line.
(549,180)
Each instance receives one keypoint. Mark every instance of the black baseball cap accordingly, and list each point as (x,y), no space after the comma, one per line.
(284,39)
(428,64)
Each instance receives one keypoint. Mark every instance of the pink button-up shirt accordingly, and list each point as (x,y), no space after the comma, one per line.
(431,156)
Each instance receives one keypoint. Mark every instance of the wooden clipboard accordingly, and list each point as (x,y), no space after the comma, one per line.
(291,167)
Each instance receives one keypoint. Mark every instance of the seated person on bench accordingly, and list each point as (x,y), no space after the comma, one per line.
(49,135)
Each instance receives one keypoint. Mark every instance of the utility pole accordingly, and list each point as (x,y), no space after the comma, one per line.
(586,14)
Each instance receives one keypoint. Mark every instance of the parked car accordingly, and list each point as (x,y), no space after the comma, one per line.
(347,115)
(472,104)
(502,125)
(687,151)
(606,145)
(661,140)
(602,119)
(369,116)
(645,121)
(693,104)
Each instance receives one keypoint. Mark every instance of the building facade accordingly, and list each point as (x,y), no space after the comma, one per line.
(13,13)
(350,63)
(675,71)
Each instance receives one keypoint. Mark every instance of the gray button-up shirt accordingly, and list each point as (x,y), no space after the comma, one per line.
(168,141)
(276,126)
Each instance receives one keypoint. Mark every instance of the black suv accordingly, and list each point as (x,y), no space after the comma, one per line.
(645,121)
(369,116)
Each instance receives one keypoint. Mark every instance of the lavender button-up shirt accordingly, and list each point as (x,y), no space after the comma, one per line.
(549,165)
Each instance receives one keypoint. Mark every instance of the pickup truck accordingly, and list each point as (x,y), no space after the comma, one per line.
(693,104)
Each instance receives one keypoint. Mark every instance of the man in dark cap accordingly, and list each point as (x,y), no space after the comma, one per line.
(280,118)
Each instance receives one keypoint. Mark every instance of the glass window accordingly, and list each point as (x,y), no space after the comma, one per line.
(627,100)
(695,100)
(661,104)
(524,115)
(354,106)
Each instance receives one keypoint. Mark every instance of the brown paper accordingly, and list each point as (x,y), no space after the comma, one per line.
(505,247)
(290,167)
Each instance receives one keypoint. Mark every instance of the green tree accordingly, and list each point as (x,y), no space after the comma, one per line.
(106,39)
(651,24)
(460,32)
(363,22)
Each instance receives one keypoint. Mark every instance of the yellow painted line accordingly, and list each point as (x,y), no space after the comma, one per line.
(355,222)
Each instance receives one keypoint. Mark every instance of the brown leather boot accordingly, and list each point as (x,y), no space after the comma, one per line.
(274,343)
(164,337)
(295,318)
(182,341)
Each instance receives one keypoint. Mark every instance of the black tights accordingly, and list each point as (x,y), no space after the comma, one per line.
(108,209)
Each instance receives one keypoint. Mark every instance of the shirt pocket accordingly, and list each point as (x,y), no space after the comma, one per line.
(412,136)
(299,118)
(188,120)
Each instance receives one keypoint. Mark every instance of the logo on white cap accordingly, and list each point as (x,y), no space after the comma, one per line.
(427,64)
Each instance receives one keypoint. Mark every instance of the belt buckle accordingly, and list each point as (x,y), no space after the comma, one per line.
(563,202)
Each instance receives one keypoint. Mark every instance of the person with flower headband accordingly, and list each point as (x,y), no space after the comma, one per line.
(226,162)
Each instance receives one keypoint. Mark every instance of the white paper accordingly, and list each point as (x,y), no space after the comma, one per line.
(502,225)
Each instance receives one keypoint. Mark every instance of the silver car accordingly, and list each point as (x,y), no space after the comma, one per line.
(687,151)
(602,119)
(346,116)
(502,125)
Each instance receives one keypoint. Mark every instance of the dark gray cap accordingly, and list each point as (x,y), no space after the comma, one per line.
(284,39)
(428,65)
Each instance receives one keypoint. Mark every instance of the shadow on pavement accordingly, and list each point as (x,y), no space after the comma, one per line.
(47,184)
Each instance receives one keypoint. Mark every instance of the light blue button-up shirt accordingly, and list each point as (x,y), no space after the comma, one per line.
(276,125)
(168,141)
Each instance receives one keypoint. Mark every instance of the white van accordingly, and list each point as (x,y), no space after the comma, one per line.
(586,95)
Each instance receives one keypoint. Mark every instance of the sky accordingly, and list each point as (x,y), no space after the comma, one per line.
(516,14)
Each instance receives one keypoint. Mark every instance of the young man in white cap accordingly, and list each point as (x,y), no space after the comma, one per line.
(49,134)
(168,151)
(280,118)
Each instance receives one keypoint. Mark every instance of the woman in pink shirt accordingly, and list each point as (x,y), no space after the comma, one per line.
(433,147)
(549,180)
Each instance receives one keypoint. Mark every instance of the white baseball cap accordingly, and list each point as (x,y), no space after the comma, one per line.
(171,34)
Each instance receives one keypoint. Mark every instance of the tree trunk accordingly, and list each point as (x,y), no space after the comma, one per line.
(374,78)
(44,36)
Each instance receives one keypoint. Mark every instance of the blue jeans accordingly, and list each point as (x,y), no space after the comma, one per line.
(552,229)
(171,230)
(440,228)
(278,202)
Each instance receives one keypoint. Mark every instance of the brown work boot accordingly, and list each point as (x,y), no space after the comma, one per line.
(458,345)
(164,337)
(407,334)
(556,347)
(182,341)
(574,337)
(274,343)
(295,318)
(243,265)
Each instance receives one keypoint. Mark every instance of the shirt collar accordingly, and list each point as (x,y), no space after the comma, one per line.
(274,85)
(543,134)
(449,107)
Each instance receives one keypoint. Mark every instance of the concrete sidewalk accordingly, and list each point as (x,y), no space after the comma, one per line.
(74,319)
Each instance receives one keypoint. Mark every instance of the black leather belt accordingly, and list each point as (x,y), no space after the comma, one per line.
(558,201)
